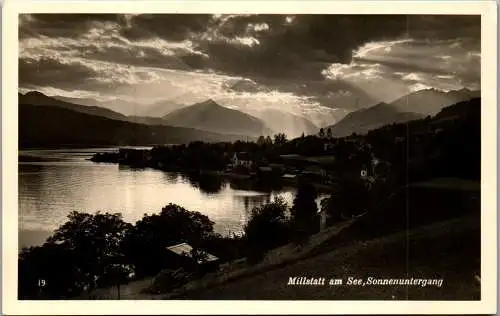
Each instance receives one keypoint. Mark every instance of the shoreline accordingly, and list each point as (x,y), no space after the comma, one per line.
(284,182)
(142,160)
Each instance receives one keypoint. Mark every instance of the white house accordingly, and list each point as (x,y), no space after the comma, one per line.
(241,159)
(184,249)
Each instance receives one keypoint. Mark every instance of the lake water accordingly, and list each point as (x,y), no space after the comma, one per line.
(52,183)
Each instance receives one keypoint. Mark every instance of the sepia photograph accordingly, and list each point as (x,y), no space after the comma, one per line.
(267,156)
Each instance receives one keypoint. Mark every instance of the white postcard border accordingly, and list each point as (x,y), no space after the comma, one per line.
(487,305)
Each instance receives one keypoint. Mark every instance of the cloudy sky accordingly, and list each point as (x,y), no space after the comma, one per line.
(309,64)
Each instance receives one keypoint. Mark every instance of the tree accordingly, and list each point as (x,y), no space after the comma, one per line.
(269,140)
(95,239)
(117,274)
(333,212)
(305,217)
(261,140)
(321,132)
(280,139)
(49,271)
(267,228)
(75,258)
(146,244)
(329,132)
(352,198)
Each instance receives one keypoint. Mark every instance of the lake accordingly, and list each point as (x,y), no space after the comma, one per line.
(52,183)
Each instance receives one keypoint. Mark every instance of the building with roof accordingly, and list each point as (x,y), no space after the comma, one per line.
(241,159)
(184,249)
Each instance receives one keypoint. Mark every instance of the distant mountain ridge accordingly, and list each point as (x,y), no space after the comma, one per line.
(156,109)
(413,106)
(364,120)
(87,106)
(39,99)
(431,101)
(81,101)
(161,108)
(211,116)
(53,126)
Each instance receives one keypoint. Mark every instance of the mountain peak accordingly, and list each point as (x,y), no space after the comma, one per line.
(35,94)
(209,102)
(211,116)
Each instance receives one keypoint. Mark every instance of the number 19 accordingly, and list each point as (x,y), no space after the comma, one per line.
(41,282)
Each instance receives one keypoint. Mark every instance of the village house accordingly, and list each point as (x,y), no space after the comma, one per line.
(241,159)
(184,251)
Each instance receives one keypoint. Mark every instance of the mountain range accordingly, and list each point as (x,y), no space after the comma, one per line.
(413,106)
(171,122)
(40,99)
(431,101)
(49,121)
(52,126)
(127,108)
(364,120)
(207,116)
(279,121)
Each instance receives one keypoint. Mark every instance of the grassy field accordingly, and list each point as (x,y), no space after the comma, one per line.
(447,250)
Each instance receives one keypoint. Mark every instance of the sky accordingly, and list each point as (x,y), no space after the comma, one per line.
(312,65)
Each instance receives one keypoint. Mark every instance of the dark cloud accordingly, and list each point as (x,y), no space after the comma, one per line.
(76,74)
(444,26)
(61,25)
(175,27)
(51,72)
(300,48)
(241,25)
(303,48)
